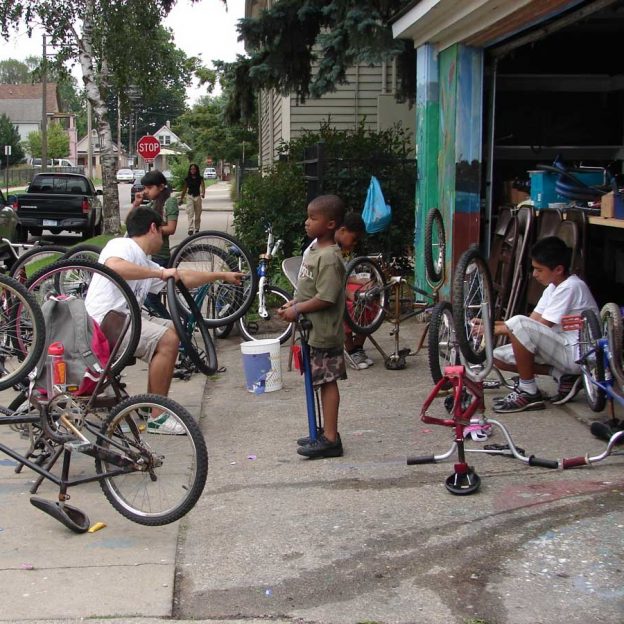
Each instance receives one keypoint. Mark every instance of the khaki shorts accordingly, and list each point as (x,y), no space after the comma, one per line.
(152,330)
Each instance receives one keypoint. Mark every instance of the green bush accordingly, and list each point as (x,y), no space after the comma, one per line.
(278,195)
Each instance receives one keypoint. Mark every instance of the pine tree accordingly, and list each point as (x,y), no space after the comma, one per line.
(10,136)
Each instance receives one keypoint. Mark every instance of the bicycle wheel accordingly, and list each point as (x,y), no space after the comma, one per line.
(34,260)
(194,335)
(366,298)
(611,317)
(212,251)
(472,287)
(435,244)
(593,355)
(74,277)
(253,326)
(442,345)
(168,472)
(83,252)
(22,332)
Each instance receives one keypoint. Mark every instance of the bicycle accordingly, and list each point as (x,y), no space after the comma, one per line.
(151,480)
(472,301)
(261,320)
(378,290)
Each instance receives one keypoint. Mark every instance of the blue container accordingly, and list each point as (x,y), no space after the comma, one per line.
(543,185)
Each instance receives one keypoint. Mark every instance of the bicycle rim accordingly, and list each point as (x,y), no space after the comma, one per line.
(472,287)
(34,260)
(592,354)
(611,317)
(172,468)
(221,304)
(254,327)
(442,345)
(366,299)
(435,242)
(22,332)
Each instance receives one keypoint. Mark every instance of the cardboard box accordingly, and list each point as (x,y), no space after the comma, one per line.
(612,205)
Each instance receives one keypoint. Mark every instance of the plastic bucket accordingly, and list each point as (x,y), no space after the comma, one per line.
(262,365)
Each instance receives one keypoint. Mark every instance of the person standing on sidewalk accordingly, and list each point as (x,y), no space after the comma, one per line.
(195,187)
(320,297)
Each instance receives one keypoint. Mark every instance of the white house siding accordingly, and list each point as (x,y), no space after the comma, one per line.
(271,130)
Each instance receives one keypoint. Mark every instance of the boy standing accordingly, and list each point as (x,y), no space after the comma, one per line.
(539,345)
(320,297)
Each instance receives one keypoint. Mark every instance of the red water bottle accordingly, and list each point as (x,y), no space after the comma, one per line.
(57,369)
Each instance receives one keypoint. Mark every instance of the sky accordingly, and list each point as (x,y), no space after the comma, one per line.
(202,29)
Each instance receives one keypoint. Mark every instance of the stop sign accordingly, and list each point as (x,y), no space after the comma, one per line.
(148,147)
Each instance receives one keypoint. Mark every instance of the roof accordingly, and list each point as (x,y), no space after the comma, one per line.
(22,102)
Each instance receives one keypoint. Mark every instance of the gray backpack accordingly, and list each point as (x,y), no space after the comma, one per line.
(86,348)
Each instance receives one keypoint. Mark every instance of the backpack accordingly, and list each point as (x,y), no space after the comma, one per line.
(86,348)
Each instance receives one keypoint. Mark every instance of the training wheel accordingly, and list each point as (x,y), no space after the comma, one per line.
(395,362)
(462,484)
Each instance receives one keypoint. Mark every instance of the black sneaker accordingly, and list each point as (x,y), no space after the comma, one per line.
(519,401)
(604,431)
(322,448)
(306,441)
(569,386)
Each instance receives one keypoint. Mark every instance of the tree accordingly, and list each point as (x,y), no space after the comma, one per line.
(109,40)
(58,142)
(14,72)
(305,47)
(10,136)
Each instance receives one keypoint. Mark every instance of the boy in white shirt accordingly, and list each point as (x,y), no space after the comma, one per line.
(538,343)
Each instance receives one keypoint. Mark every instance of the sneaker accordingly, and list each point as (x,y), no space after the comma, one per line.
(569,386)
(165,424)
(359,359)
(604,431)
(322,448)
(306,441)
(366,358)
(519,401)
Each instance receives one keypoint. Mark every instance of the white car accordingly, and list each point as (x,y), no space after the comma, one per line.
(210,173)
(125,175)
(139,173)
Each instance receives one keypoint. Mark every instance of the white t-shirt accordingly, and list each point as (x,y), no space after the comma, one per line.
(572,296)
(103,295)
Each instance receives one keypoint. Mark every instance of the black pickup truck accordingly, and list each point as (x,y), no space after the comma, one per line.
(60,201)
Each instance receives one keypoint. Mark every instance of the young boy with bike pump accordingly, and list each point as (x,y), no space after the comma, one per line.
(539,345)
(320,298)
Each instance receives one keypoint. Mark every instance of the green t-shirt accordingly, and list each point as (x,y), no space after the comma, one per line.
(170,213)
(322,275)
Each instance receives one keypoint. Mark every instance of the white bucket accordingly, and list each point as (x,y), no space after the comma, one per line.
(262,365)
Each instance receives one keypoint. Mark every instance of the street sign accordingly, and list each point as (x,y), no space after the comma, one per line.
(7,150)
(148,147)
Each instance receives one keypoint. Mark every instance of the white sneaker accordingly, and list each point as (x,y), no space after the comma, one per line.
(165,424)
(367,359)
(359,359)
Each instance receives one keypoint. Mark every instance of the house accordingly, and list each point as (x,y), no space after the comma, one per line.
(367,99)
(82,151)
(22,104)
(506,85)
(170,145)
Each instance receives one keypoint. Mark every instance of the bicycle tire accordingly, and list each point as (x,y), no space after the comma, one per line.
(83,251)
(365,305)
(50,280)
(223,331)
(22,332)
(20,268)
(435,244)
(442,344)
(252,327)
(590,333)
(175,467)
(472,286)
(611,317)
(204,357)
(211,250)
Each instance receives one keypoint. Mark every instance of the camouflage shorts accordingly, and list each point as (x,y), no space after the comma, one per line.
(327,365)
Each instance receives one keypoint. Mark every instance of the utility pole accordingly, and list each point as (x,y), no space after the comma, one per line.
(44,108)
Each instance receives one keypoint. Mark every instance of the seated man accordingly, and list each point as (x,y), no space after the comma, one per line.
(539,345)
(129,257)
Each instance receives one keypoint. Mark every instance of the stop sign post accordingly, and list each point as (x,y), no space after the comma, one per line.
(148,147)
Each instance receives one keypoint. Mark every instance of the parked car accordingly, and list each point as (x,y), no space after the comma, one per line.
(139,173)
(210,173)
(125,175)
(9,229)
(58,202)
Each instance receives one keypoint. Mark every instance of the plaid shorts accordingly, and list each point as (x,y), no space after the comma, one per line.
(554,348)
(327,365)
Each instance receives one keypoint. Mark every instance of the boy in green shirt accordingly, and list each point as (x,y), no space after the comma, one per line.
(320,297)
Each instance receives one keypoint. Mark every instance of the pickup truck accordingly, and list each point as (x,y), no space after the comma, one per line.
(60,201)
